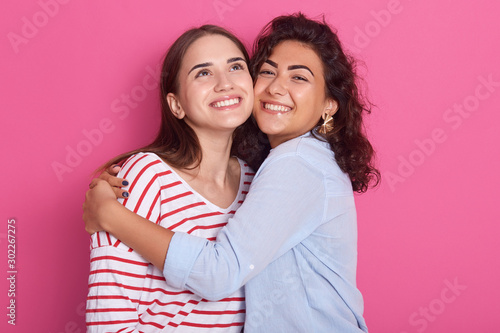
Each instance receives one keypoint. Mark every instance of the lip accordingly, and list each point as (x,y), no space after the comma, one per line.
(263,103)
(213,104)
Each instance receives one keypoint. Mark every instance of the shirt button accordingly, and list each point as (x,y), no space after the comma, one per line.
(252,266)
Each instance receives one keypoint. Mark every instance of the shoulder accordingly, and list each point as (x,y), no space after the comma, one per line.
(309,155)
(143,163)
(305,150)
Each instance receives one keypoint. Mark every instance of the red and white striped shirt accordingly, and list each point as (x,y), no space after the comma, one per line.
(127,293)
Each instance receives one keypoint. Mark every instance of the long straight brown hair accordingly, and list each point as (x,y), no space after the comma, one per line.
(176,143)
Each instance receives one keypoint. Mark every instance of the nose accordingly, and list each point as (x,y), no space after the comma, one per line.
(276,87)
(224,83)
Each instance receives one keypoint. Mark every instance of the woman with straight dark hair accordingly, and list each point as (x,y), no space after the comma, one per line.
(187,181)
(293,242)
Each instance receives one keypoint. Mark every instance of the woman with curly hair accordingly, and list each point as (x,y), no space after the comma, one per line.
(293,242)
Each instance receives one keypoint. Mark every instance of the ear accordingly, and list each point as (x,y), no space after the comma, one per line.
(331,106)
(175,106)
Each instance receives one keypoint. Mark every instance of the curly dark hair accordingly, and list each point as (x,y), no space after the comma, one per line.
(353,152)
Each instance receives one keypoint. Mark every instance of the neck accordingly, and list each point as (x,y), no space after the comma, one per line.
(217,178)
(215,164)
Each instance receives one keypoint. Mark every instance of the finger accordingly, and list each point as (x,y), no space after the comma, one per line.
(120,193)
(93,183)
(112,180)
(114,169)
(89,230)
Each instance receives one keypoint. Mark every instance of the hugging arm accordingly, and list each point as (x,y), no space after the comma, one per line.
(102,212)
(285,205)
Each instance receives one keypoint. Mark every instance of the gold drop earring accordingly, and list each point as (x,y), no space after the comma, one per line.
(327,123)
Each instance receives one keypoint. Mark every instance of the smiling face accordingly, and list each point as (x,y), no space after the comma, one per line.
(215,92)
(290,92)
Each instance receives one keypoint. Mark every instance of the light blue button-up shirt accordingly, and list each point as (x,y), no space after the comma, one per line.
(292,245)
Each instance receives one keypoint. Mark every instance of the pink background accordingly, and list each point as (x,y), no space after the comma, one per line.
(76,90)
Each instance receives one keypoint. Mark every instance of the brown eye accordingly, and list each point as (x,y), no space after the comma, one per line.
(203,72)
(237,67)
(265,72)
(299,78)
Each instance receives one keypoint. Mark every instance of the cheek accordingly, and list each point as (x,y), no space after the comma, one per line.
(302,100)
(309,98)
(259,87)
(249,88)
(195,88)
(244,80)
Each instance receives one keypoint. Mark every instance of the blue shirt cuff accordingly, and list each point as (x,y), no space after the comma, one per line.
(183,251)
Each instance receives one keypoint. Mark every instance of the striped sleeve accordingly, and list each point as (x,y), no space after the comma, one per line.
(117,273)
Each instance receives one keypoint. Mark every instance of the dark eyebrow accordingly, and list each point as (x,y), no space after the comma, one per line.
(272,63)
(205,64)
(290,68)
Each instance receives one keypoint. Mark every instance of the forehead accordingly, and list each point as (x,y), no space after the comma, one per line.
(210,48)
(292,52)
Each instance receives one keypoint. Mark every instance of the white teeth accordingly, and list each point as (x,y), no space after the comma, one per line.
(275,107)
(227,102)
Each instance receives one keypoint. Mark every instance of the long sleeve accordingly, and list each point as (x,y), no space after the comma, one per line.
(286,203)
(117,274)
